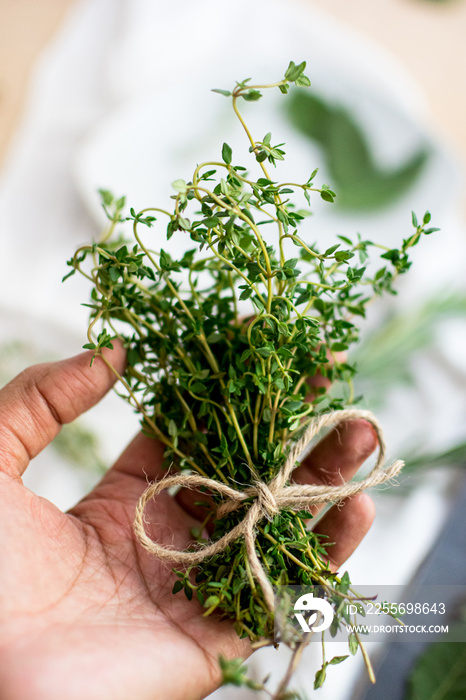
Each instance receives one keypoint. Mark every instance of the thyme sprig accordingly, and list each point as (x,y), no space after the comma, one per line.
(222,342)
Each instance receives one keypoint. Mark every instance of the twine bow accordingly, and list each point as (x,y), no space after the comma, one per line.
(268,499)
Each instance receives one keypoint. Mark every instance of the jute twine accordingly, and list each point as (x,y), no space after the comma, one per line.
(268,499)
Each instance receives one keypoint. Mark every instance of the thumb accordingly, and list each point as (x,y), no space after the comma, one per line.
(35,405)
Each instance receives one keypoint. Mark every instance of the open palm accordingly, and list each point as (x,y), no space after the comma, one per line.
(85,612)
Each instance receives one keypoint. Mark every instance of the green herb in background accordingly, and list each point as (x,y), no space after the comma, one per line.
(440,672)
(226,393)
(360,182)
(385,360)
(385,356)
(416,459)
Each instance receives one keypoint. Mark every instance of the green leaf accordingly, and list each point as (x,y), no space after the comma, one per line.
(246,293)
(178,586)
(179,186)
(264,352)
(303,81)
(114,273)
(392,255)
(211,600)
(226,153)
(215,337)
(353,643)
(303,514)
(320,678)
(70,274)
(332,249)
(337,660)
(106,197)
(211,221)
(252,95)
(184,223)
(104,340)
(343,255)
(290,70)
(226,93)
(344,583)
(234,673)
(327,196)
(294,72)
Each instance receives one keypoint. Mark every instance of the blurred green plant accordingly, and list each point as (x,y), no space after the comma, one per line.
(361,183)
(454,457)
(440,672)
(386,359)
(385,356)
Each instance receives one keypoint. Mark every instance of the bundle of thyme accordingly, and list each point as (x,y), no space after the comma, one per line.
(222,342)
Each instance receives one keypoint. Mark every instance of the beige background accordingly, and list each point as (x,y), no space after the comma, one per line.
(428,37)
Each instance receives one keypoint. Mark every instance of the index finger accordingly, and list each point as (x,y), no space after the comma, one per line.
(35,405)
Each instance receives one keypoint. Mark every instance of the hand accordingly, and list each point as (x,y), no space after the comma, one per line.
(85,612)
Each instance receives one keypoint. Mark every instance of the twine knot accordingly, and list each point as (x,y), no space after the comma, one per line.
(268,499)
